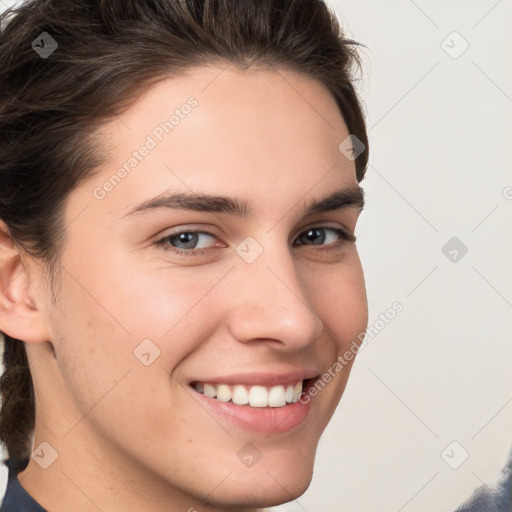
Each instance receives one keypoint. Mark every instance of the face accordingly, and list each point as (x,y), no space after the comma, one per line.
(166,298)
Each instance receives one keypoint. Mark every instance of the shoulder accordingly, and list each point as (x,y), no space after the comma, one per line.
(498,499)
(15,465)
(16,499)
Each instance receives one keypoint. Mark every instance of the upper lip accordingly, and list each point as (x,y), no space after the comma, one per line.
(262,378)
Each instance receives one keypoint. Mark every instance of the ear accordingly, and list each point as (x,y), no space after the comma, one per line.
(21,315)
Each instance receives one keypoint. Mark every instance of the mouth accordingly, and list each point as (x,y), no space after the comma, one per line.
(257,396)
(258,409)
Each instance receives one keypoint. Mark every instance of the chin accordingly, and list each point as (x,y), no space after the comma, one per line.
(267,487)
(260,495)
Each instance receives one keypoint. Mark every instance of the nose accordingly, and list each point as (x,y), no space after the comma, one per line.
(270,303)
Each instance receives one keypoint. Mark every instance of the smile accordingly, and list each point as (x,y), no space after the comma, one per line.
(254,396)
(260,409)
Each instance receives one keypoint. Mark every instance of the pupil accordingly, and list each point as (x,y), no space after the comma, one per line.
(315,236)
(187,239)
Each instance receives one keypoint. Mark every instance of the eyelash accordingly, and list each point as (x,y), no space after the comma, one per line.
(344,239)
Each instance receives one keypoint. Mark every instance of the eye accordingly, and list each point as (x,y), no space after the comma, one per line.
(321,235)
(187,242)
(193,243)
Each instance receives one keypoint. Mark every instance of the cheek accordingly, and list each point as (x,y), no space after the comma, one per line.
(113,393)
(110,317)
(95,349)
(153,300)
(338,297)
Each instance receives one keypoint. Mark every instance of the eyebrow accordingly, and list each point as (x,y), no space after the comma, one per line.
(352,197)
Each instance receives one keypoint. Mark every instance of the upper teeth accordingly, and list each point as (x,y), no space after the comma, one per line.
(255,396)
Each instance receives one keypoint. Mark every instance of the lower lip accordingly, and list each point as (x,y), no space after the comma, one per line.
(263,420)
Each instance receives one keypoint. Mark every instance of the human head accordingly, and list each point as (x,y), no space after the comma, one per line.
(56,128)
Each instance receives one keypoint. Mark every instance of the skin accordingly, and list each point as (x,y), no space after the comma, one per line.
(133,437)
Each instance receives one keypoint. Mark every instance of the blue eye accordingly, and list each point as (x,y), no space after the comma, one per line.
(188,239)
(188,243)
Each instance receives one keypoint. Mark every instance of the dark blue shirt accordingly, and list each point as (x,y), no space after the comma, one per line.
(16,499)
(498,499)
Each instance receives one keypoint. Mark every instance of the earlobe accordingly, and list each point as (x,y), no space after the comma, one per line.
(20,315)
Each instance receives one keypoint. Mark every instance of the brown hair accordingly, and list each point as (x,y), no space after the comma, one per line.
(108,51)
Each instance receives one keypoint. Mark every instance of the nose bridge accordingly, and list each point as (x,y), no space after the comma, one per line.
(270,302)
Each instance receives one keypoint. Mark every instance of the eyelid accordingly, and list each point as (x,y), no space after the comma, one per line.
(345,235)
(348,234)
(206,229)
(161,241)
(211,230)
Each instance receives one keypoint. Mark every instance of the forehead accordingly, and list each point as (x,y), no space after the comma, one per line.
(254,96)
(220,128)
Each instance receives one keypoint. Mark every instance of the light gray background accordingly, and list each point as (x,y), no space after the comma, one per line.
(439,127)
